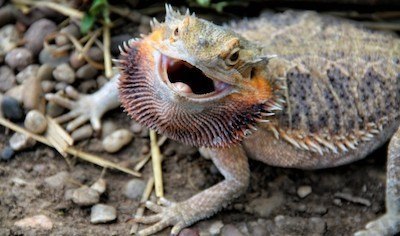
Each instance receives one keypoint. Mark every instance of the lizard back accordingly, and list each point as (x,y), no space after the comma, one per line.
(342,80)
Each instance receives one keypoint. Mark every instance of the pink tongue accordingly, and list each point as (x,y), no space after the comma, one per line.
(182,87)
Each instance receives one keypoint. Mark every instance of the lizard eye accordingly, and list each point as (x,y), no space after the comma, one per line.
(176,32)
(233,58)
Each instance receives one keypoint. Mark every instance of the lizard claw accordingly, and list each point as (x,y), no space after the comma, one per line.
(169,213)
(81,106)
(387,224)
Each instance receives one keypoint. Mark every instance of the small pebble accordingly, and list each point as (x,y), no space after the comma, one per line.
(82,133)
(100,185)
(96,54)
(54,110)
(45,72)
(75,60)
(64,73)
(57,181)
(68,194)
(70,29)
(16,93)
(9,37)
(19,58)
(7,14)
(11,109)
(46,56)
(35,122)
(230,230)
(48,86)
(304,191)
(32,94)
(85,196)
(20,142)
(60,86)
(101,80)
(136,128)
(37,221)
(7,153)
(36,34)
(107,128)
(134,189)
(7,78)
(88,86)
(215,227)
(86,72)
(189,232)
(263,206)
(29,71)
(101,213)
(116,140)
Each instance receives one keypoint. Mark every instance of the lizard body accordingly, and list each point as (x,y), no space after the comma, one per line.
(330,96)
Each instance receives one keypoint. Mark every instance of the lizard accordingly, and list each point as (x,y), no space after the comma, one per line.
(296,89)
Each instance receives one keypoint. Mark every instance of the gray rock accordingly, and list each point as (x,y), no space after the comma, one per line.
(57,181)
(215,227)
(88,86)
(64,73)
(116,140)
(189,232)
(96,54)
(86,72)
(9,37)
(263,207)
(304,191)
(82,133)
(70,29)
(7,153)
(7,78)
(100,185)
(85,196)
(286,225)
(54,110)
(46,56)
(36,34)
(7,14)
(38,221)
(11,108)
(19,58)
(230,230)
(19,142)
(45,72)
(134,189)
(101,213)
(29,71)
(16,92)
(47,86)
(75,60)
(35,122)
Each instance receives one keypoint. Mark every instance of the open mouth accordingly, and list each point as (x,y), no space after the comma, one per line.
(189,81)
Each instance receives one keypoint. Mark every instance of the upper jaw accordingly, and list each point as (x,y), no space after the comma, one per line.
(190,82)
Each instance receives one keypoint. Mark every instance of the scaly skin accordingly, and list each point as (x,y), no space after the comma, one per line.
(330,96)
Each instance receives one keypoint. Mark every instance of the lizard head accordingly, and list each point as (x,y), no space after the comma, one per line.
(196,82)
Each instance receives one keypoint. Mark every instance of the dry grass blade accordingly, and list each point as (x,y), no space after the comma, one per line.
(107,53)
(156,161)
(65,10)
(141,208)
(146,158)
(70,150)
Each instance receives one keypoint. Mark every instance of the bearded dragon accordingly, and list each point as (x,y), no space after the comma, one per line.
(297,90)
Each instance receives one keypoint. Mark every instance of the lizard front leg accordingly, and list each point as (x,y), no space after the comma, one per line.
(85,108)
(389,223)
(233,165)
